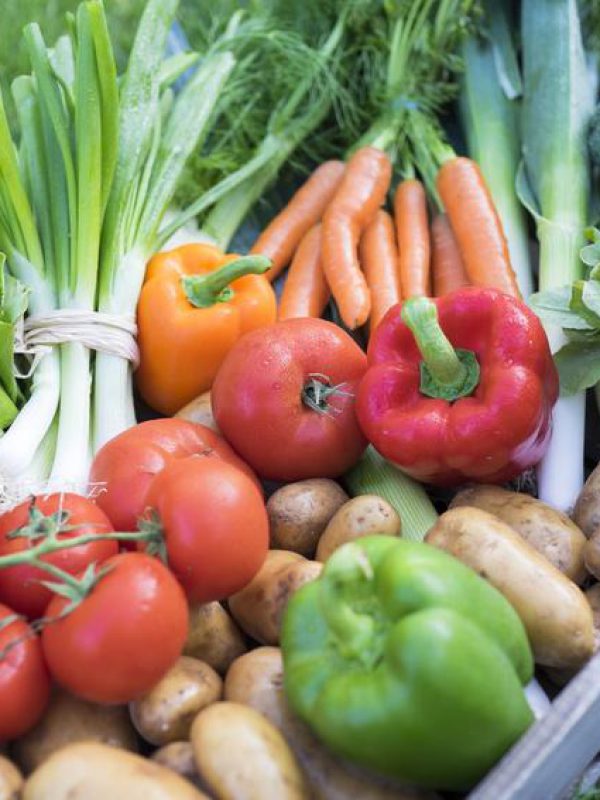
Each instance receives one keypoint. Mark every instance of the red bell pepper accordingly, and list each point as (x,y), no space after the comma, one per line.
(459,388)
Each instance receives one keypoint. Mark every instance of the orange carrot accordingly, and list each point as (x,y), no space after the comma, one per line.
(305,292)
(476,225)
(446,261)
(412,229)
(361,192)
(379,260)
(282,235)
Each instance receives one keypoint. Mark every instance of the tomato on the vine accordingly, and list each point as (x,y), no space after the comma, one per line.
(284,399)
(123,637)
(214,523)
(67,515)
(127,464)
(24,680)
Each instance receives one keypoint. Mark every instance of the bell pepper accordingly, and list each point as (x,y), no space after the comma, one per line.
(407,663)
(459,388)
(195,304)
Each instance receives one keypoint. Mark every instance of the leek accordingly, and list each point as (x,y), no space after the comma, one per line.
(558,101)
(490,87)
(374,475)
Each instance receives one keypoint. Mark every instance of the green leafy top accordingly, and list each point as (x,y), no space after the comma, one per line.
(576,309)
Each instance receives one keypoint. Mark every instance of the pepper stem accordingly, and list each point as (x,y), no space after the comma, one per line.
(445,372)
(204,291)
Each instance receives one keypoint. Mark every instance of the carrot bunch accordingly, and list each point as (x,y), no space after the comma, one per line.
(339,240)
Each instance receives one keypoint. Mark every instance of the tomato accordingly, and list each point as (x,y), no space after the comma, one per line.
(24,680)
(123,637)
(20,586)
(128,463)
(215,526)
(273,400)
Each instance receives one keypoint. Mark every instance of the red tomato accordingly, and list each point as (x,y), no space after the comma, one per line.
(267,392)
(123,637)
(128,463)
(214,523)
(24,680)
(20,587)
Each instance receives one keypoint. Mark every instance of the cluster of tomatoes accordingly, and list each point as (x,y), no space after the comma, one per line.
(284,400)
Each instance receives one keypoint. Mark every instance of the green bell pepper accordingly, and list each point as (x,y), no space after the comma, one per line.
(404,660)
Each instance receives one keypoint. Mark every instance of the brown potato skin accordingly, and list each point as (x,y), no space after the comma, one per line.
(362,516)
(550,532)
(554,611)
(213,636)
(166,713)
(11,780)
(258,608)
(586,513)
(199,410)
(256,679)
(69,719)
(242,756)
(591,554)
(299,513)
(92,771)
(179,757)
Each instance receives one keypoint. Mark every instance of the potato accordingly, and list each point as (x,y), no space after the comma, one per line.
(11,780)
(258,608)
(593,597)
(68,720)
(256,679)
(554,611)
(360,516)
(213,636)
(299,513)
(242,756)
(91,771)
(547,530)
(200,411)
(586,513)
(179,757)
(166,713)
(591,555)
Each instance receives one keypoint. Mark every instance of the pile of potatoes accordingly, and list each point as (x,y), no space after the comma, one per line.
(217,725)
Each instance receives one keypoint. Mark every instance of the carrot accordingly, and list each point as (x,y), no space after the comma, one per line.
(361,192)
(476,225)
(379,260)
(305,292)
(412,229)
(446,261)
(282,235)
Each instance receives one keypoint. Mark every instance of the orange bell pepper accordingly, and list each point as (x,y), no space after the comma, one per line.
(195,304)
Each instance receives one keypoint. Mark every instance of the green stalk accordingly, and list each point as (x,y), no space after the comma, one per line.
(490,115)
(554,184)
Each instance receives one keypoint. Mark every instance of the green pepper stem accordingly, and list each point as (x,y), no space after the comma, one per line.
(445,372)
(204,291)
(421,316)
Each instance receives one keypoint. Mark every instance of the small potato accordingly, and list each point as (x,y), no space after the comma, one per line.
(242,756)
(91,771)
(586,513)
(258,608)
(11,780)
(593,597)
(547,530)
(179,757)
(256,679)
(166,713)
(199,411)
(213,636)
(299,513)
(554,611)
(69,719)
(360,516)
